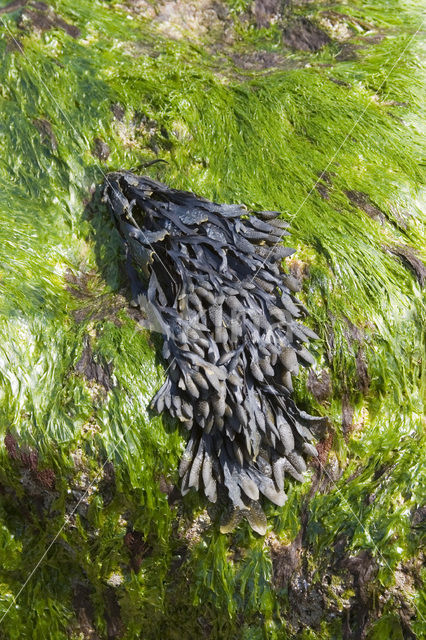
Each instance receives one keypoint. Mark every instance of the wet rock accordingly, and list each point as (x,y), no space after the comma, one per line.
(266,12)
(319,386)
(114,622)
(46,133)
(138,548)
(260,60)
(362,371)
(100,149)
(362,201)
(348,51)
(12,447)
(41,17)
(307,604)
(83,606)
(92,370)
(363,568)
(347,415)
(410,259)
(418,518)
(285,561)
(118,111)
(107,486)
(15,5)
(14,45)
(340,83)
(304,35)
(94,305)
(322,190)
(46,478)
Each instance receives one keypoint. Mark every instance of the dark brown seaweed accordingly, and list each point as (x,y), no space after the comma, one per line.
(211,279)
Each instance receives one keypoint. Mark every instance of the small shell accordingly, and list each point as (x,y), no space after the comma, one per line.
(297,461)
(309,449)
(256,518)
(203,408)
(286,435)
(249,487)
(304,355)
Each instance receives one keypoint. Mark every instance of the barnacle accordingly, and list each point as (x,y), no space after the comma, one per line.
(209,275)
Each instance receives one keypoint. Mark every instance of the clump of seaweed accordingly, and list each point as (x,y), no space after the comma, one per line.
(209,277)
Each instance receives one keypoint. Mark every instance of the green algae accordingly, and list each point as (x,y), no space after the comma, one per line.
(265,139)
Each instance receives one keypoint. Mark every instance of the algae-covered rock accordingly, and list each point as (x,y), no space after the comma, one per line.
(96,540)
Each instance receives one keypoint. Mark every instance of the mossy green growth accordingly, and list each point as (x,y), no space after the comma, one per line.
(91,544)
